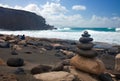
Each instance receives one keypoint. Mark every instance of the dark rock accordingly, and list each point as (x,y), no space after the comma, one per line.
(19,71)
(85,40)
(4,45)
(87,53)
(12,19)
(105,77)
(48,47)
(15,62)
(28,52)
(41,69)
(85,34)
(85,46)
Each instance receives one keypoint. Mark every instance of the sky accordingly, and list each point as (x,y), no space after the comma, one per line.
(72,13)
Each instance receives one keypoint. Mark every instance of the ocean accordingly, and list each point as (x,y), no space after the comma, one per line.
(109,35)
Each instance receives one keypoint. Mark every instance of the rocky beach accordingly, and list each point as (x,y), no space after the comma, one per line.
(24,58)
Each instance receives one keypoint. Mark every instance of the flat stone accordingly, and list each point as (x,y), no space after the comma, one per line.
(55,76)
(87,53)
(85,39)
(85,46)
(86,35)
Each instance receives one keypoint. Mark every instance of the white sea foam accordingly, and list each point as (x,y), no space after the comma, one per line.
(110,37)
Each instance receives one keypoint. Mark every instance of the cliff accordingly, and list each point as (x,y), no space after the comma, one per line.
(12,19)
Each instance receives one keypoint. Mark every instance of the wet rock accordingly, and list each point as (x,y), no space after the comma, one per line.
(15,62)
(94,65)
(41,69)
(55,76)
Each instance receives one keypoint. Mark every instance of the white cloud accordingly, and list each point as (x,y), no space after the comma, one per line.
(54,13)
(79,7)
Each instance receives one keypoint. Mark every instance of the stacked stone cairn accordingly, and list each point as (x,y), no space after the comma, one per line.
(86,59)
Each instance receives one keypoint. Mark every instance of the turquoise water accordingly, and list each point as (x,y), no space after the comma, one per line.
(76,29)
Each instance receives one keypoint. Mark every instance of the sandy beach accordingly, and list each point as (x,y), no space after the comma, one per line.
(43,51)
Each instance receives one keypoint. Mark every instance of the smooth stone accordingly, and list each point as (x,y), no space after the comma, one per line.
(87,53)
(93,66)
(41,69)
(15,62)
(85,39)
(55,76)
(85,46)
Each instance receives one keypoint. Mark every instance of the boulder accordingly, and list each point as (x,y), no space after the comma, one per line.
(117,62)
(94,66)
(15,62)
(87,53)
(82,76)
(55,76)
(40,69)
(85,46)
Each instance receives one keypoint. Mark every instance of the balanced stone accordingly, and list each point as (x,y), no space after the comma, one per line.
(85,39)
(85,34)
(85,46)
(87,53)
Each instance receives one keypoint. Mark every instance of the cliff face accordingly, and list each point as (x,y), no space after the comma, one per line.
(12,19)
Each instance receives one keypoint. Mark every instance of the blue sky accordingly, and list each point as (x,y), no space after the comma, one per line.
(72,13)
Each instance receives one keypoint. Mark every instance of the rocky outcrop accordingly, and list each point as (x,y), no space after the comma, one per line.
(12,19)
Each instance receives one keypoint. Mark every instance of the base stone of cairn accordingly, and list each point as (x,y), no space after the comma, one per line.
(94,66)
(86,59)
(117,62)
